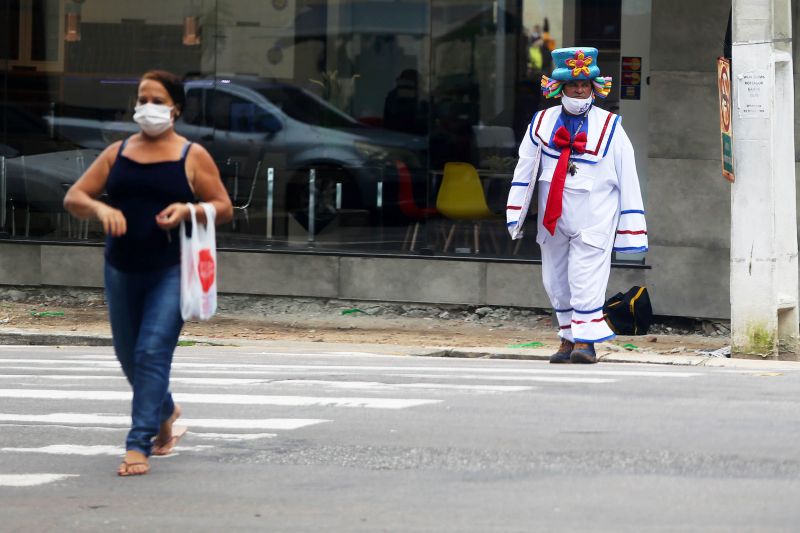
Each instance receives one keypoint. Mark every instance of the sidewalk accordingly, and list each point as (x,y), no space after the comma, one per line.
(73,316)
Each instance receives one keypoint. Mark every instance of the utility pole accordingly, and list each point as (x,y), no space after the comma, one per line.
(764,266)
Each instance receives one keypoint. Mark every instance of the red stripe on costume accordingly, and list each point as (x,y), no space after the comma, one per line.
(584,322)
(565,327)
(541,116)
(602,136)
(514,207)
(631,232)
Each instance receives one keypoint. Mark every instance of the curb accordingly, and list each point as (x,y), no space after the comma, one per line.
(603,356)
(29,338)
(612,356)
(37,338)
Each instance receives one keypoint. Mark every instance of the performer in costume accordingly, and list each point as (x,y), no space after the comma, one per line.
(590,203)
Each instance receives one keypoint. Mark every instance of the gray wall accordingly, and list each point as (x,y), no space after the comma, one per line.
(283,274)
(688,199)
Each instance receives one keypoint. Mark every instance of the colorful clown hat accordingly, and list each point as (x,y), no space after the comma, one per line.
(575,64)
(571,64)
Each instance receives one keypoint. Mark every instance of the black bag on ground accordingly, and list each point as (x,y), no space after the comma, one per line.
(629,313)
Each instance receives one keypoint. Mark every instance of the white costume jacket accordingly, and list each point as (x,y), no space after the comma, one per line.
(607,170)
(602,212)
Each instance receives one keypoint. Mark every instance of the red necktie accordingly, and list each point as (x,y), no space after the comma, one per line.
(552,211)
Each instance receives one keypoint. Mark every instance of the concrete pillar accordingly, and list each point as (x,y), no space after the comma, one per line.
(635,42)
(764,267)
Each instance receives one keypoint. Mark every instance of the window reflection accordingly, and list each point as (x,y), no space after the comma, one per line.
(307,108)
(381,100)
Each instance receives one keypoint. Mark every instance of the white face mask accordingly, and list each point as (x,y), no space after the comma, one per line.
(576,106)
(154,119)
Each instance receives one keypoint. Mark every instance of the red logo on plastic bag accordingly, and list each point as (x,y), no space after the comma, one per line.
(205,269)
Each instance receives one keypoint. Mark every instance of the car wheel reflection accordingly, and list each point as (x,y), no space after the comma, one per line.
(325,196)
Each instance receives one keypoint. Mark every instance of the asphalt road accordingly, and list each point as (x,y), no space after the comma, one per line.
(346,441)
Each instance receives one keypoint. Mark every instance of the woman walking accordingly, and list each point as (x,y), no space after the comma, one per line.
(149,178)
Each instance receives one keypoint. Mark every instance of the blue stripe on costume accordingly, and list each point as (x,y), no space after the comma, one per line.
(631,211)
(530,128)
(571,158)
(588,341)
(589,312)
(608,143)
(509,224)
(519,184)
(562,310)
(631,249)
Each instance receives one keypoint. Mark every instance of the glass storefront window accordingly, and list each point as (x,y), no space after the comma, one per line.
(337,125)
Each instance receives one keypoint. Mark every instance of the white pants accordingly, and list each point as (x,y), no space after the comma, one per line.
(575,274)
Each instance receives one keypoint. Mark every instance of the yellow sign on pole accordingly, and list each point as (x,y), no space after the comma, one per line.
(725,126)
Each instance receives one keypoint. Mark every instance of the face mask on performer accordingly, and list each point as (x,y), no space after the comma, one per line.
(154,119)
(576,106)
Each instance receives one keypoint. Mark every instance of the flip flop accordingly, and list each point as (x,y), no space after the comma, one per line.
(166,449)
(127,465)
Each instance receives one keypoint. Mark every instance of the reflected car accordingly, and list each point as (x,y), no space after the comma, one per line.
(38,164)
(40,181)
(293,130)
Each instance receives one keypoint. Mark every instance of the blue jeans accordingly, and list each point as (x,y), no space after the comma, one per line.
(145,313)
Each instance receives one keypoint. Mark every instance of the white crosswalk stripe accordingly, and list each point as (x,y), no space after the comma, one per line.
(83,395)
(31,480)
(70,449)
(112,420)
(349,385)
(269,368)
(220,399)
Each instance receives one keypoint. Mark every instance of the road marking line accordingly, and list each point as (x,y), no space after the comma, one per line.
(235,436)
(272,367)
(349,385)
(60,426)
(114,420)
(377,386)
(121,379)
(532,376)
(538,379)
(222,399)
(86,451)
(31,480)
(324,354)
(116,369)
(66,362)
(70,449)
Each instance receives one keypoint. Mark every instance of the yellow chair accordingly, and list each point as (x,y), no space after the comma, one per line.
(461,198)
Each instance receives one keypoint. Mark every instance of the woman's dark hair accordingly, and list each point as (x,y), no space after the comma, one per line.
(171,83)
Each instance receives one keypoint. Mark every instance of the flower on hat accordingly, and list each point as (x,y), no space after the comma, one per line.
(579,64)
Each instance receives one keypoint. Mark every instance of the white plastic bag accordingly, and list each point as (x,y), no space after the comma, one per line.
(199,267)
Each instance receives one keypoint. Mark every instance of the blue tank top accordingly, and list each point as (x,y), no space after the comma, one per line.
(141,191)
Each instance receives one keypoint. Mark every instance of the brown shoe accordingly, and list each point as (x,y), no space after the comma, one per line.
(583,354)
(563,354)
